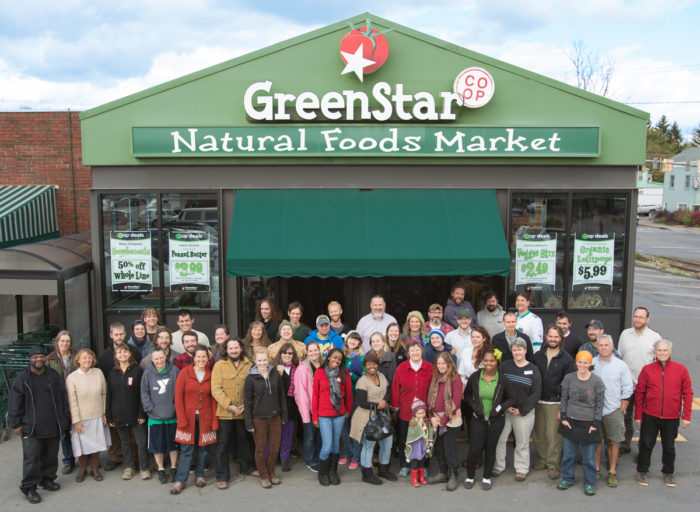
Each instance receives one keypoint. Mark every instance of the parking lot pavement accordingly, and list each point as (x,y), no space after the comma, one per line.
(300,490)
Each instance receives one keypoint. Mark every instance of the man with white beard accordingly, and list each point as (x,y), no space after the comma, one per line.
(375,321)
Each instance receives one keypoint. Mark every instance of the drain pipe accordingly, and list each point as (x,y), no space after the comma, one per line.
(72,172)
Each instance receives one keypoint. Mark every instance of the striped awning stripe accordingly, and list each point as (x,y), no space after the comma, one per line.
(27,214)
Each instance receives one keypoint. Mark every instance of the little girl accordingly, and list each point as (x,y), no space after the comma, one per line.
(419,442)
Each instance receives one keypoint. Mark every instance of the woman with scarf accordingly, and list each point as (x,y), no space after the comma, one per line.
(414,328)
(353,352)
(331,403)
(444,396)
(139,338)
(286,363)
(265,411)
(488,395)
(581,411)
(372,390)
(62,360)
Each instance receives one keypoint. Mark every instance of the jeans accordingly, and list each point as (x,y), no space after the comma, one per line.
(331,427)
(186,453)
(139,432)
(232,433)
(67,449)
(368,450)
(483,437)
(568,461)
(351,448)
(446,450)
(40,460)
(312,443)
(651,426)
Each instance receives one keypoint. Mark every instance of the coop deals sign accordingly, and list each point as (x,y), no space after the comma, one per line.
(130,253)
(594,256)
(535,259)
(189,261)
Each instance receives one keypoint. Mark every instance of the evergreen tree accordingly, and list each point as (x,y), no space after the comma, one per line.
(675,137)
(695,140)
(662,125)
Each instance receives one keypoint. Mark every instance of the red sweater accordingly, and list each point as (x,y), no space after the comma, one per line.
(664,392)
(321,396)
(191,396)
(409,384)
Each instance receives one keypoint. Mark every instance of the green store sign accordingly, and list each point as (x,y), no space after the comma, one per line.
(358,140)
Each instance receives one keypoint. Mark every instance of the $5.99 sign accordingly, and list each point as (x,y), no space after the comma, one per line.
(594,255)
(535,259)
(189,261)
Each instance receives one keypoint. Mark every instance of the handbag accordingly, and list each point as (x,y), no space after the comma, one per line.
(379,425)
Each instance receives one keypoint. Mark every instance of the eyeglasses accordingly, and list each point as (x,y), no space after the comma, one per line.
(287,353)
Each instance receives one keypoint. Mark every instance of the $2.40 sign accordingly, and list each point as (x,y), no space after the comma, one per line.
(594,255)
(189,261)
(535,259)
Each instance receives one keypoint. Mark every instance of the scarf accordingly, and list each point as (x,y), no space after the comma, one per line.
(290,392)
(432,397)
(334,387)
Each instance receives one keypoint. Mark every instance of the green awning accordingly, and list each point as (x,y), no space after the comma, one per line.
(27,214)
(374,233)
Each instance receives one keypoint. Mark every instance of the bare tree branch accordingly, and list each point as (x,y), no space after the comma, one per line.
(593,72)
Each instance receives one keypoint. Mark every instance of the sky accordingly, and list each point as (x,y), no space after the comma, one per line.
(77,54)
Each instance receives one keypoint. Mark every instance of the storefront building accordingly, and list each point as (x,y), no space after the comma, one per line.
(334,165)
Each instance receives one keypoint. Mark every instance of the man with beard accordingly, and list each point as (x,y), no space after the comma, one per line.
(571,343)
(504,340)
(375,321)
(190,342)
(491,317)
(435,322)
(554,364)
(38,411)
(594,329)
(457,302)
(636,346)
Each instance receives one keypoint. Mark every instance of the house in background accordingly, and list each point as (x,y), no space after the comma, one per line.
(650,197)
(682,182)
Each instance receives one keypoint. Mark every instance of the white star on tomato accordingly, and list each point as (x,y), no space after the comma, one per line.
(355,62)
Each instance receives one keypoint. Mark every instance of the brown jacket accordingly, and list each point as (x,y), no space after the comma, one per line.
(227,383)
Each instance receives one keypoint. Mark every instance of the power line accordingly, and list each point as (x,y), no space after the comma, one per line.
(659,102)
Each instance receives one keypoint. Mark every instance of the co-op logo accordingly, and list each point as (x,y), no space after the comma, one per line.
(475,87)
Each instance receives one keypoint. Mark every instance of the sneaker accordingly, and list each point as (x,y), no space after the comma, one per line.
(540,465)
(486,484)
(286,466)
(564,485)
(495,473)
(468,483)
(553,474)
(354,465)
(128,474)
(274,480)
(598,474)
(342,461)
(312,467)
(67,469)
(520,477)
(612,480)
(266,484)
(589,490)
(669,480)
(294,454)
(162,477)
(145,474)
(642,479)
(404,472)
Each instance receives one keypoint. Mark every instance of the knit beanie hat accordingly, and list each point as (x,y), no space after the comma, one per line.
(438,332)
(417,405)
(417,314)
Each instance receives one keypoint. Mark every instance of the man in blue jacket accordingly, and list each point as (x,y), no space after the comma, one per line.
(38,411)
(326,338)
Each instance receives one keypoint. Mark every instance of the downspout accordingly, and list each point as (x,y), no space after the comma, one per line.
(72,172)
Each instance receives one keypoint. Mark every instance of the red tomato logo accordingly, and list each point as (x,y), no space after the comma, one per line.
(374,45)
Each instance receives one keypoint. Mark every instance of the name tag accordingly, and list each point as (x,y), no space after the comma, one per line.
(498,408)
(527,372)
(130,381)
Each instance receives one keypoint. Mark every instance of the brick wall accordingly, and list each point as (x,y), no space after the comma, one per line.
(35,150)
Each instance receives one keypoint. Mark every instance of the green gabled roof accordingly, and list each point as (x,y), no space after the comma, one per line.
(203,73)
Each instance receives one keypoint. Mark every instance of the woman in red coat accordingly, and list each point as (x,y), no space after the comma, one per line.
(331,404)
(411,381)
(196,418)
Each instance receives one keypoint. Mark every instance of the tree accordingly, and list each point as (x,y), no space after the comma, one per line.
(664,139)
(593,72)
(675,136)
(662,125)
(695,140)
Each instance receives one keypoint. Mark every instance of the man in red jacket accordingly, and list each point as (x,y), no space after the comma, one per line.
(664,394)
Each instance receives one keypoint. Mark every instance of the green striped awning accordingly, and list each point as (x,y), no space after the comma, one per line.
(27,214)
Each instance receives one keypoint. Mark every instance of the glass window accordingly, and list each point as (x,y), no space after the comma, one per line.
(131,255)
(687,181)
(537,238)
(672,179)
(598,250)
(191,259)
(254,289)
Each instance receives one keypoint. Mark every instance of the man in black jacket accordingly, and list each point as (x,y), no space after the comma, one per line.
(504,339)
(38,411)
(554,364)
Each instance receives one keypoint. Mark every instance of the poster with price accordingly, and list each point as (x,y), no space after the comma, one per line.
(189,261)
(130,253)
(594,255)
(535,259)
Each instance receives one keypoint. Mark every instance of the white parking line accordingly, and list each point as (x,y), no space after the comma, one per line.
(675,285)
(669,293)
(677,306)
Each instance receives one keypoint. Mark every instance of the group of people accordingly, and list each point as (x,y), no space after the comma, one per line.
(168,400)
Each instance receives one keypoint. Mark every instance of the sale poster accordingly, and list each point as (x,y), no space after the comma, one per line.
(535,259)
(594,256)
(131,268)
(189,261)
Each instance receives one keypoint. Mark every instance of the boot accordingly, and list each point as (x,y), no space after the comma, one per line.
(414,478)
(333,469)
(421,477)
(323,468)
(439,478)
(453,481)
(369,477)
(385,473)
